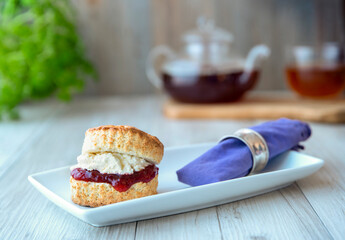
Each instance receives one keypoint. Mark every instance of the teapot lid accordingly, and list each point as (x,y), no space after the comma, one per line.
(207,32)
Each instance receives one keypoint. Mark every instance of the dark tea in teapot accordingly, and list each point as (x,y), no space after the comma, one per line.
(205,71)
(210,88)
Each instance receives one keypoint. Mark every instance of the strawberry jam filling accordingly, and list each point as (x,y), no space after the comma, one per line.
(121,182)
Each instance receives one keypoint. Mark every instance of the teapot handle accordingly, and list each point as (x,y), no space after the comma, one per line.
(257,53)
(151,72)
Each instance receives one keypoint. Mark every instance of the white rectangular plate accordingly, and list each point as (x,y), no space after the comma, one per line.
(175,197)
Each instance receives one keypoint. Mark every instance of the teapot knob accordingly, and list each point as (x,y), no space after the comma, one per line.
(151,71)
(256,54)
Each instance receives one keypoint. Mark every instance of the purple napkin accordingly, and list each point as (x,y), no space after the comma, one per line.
(231,158)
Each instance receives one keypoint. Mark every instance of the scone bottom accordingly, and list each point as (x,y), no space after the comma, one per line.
(93,194)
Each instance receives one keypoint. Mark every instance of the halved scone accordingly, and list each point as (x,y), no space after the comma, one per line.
(117,163)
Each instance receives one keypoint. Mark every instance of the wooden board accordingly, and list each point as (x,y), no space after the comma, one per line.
(262,106)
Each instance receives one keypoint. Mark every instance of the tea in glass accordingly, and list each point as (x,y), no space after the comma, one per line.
(317,72)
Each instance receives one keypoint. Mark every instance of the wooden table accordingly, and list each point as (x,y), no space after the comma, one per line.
(50,135)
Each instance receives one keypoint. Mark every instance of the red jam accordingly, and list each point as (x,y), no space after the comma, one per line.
(120,182)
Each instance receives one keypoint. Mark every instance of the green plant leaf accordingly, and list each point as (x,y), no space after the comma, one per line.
(41,53)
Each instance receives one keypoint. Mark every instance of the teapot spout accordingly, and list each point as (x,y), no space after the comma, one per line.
(255,55)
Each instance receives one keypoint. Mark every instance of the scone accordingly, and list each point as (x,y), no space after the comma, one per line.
(117,163)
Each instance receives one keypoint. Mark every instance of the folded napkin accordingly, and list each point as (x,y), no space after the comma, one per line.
(231,158)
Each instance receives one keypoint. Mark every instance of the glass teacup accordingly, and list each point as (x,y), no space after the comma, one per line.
(317,72)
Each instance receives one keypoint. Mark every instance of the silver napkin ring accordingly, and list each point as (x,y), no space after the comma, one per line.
(257,145)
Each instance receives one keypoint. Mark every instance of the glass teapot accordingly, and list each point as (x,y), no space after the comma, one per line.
(205,72)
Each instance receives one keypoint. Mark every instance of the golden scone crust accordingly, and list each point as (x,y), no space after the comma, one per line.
(94,194)
(123,139)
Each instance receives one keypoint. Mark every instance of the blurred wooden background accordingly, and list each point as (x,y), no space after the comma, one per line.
(119,34)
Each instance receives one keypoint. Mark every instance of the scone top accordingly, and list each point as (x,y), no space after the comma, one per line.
(123,139)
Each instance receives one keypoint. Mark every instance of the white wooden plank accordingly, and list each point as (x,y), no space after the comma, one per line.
(16,136)
(201,224)
(325,190)
(283,214)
